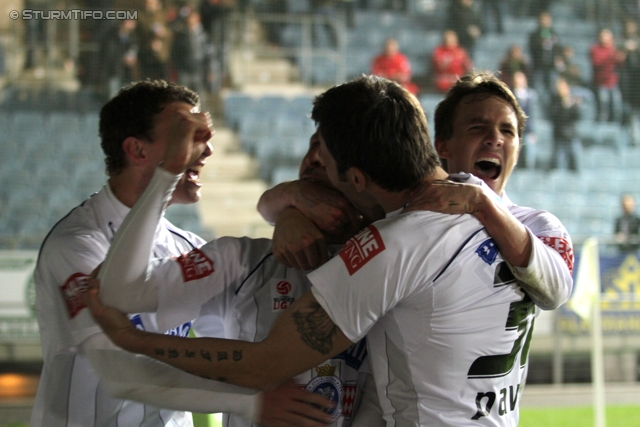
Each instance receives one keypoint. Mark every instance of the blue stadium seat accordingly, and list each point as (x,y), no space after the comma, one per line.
(235,106)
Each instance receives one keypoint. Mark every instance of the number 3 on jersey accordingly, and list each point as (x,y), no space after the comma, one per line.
(520,318)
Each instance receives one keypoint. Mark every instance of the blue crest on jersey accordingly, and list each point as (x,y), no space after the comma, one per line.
(137,322)
(488,251)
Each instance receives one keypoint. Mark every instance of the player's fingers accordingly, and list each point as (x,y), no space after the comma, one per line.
(283,257)
(301,261)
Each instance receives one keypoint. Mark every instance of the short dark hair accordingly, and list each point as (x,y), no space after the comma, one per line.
(376,125)
(131,113)
(479,83)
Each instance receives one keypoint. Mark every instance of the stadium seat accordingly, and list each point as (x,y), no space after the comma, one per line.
(235,106)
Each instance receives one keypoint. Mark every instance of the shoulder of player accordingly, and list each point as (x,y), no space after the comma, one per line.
(238,248)
(538,220)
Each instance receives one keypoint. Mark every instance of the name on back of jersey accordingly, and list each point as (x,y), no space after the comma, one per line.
(195,265)
(361,249)
(500,403)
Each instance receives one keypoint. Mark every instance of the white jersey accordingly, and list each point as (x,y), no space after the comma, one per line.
(257,288)
(551,263)
(70,392)
(448,327)
(236,278)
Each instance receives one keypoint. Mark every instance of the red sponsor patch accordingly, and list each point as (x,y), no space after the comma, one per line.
(561,246)
(283,287)
(195,265)
(72,292)
(360,249)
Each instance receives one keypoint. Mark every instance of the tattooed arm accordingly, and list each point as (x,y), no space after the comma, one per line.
(301,337)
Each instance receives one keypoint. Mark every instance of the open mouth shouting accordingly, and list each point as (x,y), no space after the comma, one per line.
(192,174)
(488,167)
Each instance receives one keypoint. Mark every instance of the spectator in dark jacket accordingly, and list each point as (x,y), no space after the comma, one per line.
(543,45)
(564,112)
(627,230)
(465,21)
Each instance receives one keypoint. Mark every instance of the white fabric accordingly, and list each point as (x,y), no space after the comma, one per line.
(234,278)
(433,299)
(70,393)
(548,275)
(551,263)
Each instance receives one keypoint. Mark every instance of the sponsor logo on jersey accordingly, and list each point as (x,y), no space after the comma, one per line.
(361,249)
(195,265)
(562,246)
(488,251)
(328,385)
(72,292)
(280,292)
(283,287)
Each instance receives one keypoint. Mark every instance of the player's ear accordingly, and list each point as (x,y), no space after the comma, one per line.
(442,148)
(135,150)
(358,178)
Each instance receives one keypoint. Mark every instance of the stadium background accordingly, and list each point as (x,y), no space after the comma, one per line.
(263,61)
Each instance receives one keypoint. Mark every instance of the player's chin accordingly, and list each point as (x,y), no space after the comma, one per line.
(187,193)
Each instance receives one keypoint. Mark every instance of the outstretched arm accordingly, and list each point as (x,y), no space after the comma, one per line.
(135,377)
(301,337)
(541,270)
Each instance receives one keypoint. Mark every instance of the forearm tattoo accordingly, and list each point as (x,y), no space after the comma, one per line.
(315,327)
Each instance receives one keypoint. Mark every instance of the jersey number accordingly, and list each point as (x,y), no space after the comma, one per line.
(500,365)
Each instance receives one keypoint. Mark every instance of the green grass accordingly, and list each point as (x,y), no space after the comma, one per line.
(616,416)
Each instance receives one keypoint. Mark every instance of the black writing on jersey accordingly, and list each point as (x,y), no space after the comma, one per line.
(508,399)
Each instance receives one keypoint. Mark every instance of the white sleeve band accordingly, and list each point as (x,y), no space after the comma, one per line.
(548,279)
(123,272)
(140,378)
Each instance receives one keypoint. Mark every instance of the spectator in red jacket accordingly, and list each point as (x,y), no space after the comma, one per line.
(394,65)
(449,61)
(605,59)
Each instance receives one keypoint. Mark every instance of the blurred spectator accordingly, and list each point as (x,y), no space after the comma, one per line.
(565,66)
(627,232)
(394,65)
(630,77)
(543,46)
(493,8)
(527,98)
(448,62)
(35,34)
(605,60)
(514,61)
(155,41)
(564,113)
(119,53)
(189,53)
(213,14)
(465,21)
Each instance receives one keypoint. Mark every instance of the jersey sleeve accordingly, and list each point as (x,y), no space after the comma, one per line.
(122,274)
(66,263)
(549,272)
(130,376)
(343,285)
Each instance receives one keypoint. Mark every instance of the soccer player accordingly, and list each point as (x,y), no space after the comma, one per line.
(136,127)
(471,137)
(447,324)
(237,279)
